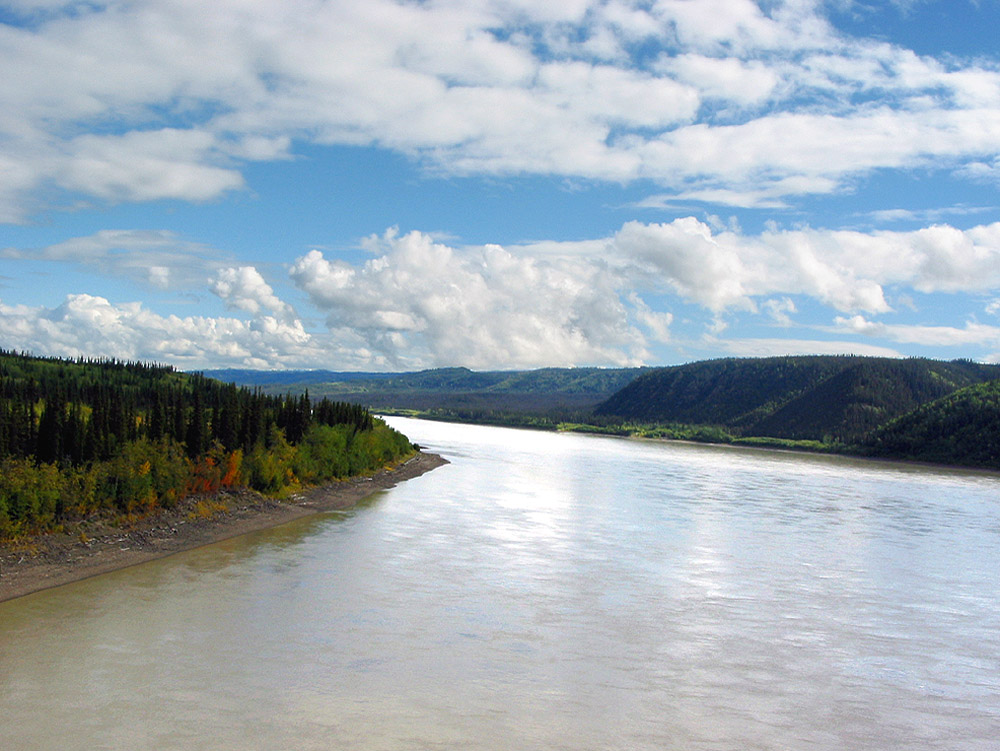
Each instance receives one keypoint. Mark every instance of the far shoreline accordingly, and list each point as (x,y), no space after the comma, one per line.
(878,461)
(51,560)
(892,461)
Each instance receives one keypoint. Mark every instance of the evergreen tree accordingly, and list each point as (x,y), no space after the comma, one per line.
(196,434)
(50,430)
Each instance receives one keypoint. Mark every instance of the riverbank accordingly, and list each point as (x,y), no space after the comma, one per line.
(92,548)
(706,436)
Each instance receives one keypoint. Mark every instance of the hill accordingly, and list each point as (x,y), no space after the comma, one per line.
(246,377)
(540,390)
(842,398)
(961,428)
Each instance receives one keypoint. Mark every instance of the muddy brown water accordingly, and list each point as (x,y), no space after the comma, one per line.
(546,591)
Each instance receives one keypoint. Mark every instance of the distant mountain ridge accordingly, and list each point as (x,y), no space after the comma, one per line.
(602,381)
(842,398)
(599,382)
(517,391)
(247,377)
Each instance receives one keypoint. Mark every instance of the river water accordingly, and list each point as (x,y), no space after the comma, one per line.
(552,592)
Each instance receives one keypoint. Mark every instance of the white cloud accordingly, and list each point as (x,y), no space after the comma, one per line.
(147,165)
(745,83)
(423,302)
(849,271)
(846,270)
(162,99)
(778,347)
(632,23)
(858,324)
(792,151)
(721,25)
(981,171)
(157,257)
(20,178)
(729,270)
(419,302)
(244,289)
(655,322)
(773,196)
(87,325)
(606,94)
(926,215)
(927,336)
(586,302)
(780,310)
(685,255)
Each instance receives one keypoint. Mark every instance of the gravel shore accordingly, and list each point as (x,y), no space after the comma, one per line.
(92,548)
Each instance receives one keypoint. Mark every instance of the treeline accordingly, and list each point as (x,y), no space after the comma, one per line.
(91,436)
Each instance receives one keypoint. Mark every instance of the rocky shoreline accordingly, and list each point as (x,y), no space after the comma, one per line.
(92,548)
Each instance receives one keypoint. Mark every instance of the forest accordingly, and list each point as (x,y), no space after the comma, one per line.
(543,391)
(834,399)
(102,437)
(961,428)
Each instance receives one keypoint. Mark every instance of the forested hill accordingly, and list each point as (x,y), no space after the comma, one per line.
(83,437)
(841,398)
(477,392)
(601,381)
(269,379)
(961,428)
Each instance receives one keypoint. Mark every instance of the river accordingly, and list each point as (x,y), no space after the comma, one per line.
(546,591)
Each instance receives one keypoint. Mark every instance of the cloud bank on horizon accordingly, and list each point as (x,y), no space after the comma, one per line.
(603,182)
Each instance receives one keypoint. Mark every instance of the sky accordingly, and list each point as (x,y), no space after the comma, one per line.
(391,185)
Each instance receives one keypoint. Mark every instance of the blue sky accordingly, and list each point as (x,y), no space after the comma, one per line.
(382,185)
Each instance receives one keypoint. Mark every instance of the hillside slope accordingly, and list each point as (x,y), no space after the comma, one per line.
(808,397)
(961,428)
(442,380)
(538,390)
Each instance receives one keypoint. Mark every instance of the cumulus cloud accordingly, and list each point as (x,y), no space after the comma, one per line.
(419,302)
(846,270)
(685,255)
(86,324)
(482,307)
(244,289)
(726,101)
(587,302)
